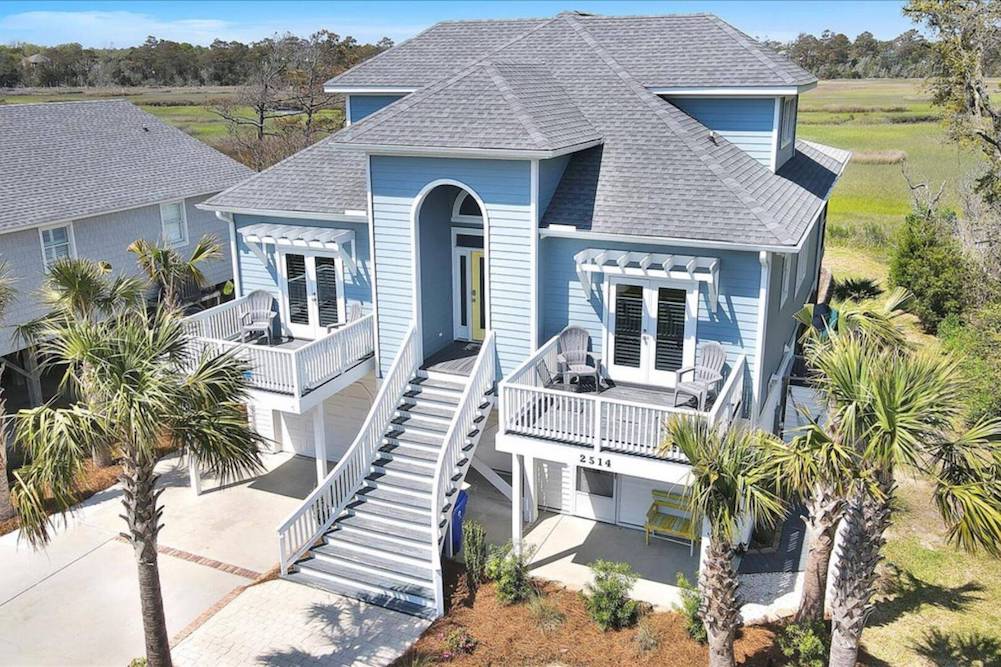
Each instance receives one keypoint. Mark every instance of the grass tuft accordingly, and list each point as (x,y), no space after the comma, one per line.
(880,157)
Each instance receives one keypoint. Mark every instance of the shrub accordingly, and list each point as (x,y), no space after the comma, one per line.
(805,644)
(474,552)
(976,343)
(138,662)
(509,571)
(607,597)
(928,261)
(459,642)
(691,602)
(855,289)
(647,637)
(546,614)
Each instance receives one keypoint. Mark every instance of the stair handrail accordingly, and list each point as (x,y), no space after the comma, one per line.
(320,509)
(481,380)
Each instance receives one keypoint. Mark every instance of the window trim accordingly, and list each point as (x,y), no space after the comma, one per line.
(457,206)
(70,236)
(786,279)
(801,267)
(787,131)
(184,225)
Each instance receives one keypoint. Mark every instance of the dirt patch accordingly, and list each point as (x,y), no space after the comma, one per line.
(510,635)
(91,480)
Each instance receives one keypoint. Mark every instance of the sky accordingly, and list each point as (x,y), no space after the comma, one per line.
(118,24)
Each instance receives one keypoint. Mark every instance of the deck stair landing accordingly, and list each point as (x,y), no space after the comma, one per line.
(380,547)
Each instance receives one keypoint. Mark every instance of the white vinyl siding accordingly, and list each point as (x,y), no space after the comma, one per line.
(174,224)
(57,243)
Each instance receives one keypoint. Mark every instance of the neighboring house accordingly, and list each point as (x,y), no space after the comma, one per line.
(500,181)
(86,179)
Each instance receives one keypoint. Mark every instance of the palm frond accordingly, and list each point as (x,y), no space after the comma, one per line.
(7,291)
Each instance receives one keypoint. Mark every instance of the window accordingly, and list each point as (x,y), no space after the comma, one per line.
(788,120)
(57,243)
(596,482)
(787,261)
(466,209)
(801,266)
(173,223)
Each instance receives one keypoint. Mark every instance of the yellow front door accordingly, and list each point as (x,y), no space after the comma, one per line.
(478,297)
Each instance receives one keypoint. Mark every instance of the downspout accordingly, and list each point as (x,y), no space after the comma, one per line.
(765,259)
(233,252)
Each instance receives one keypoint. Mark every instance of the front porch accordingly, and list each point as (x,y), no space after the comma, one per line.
(290,366)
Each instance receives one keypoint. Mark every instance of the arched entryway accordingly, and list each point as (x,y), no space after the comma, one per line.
(451,281)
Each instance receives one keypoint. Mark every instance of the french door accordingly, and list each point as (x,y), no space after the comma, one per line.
(313,299)
(651,330)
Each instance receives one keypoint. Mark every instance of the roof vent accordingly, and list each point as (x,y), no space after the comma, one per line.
(714,137)
(576,12)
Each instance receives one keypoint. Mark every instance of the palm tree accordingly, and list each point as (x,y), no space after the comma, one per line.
(79,289)
(895,408)
(6,296)
(731,480)
(170,272)
(151,392)
(818,466)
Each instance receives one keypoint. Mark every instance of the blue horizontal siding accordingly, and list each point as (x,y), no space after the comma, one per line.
(749,123)
(254,275)
(733,325)
(505,188)
(366,105)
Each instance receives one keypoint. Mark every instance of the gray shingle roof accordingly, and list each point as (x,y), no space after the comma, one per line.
(77,159)
(511,106)
(695,50)
(658,171)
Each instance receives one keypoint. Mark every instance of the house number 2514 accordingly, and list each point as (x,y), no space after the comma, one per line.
(596,461)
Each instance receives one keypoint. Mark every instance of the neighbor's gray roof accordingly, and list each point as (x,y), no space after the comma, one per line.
(489,105)
(77,159)
(694,50)
(658,171)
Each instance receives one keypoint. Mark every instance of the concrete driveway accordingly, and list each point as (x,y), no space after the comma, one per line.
(77,601)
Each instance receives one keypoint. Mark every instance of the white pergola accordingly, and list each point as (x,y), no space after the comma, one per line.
(306,238)
(684,268)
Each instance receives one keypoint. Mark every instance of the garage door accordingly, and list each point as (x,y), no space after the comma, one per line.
(549,482)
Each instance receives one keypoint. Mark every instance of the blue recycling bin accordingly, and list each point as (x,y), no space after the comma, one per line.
(458,514)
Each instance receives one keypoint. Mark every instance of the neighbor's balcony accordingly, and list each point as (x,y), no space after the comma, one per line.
(292,367)
(620,418)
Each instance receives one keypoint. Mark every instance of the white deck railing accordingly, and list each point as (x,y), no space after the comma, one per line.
(530,408)
(285,371)
(318,511)
(481,380)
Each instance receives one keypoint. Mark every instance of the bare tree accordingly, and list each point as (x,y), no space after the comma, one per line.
(310,68)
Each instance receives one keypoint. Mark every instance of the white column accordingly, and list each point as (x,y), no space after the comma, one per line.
(516,502)
(320,443)
(194,474)
(531,497)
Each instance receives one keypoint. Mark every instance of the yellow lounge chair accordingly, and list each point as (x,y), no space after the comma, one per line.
(668,518)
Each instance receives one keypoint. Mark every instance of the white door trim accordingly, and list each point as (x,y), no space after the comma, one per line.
(312,330)
(460,332)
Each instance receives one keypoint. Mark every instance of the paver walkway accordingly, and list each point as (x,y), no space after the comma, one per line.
(281,623)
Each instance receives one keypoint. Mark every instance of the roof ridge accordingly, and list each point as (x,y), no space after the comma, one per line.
(654,103)
(522,113)
(409,101)
(380,54)
(738,35)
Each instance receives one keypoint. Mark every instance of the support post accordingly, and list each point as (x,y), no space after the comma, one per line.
(516,502)
(320,443)
(531,499)
(34,378)
(194,474)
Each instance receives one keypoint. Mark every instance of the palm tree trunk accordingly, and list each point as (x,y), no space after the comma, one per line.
(102,457)
(143,517)
(6,508)
(824,513)
(866,519)
(720,609)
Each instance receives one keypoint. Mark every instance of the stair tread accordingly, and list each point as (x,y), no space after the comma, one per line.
(368,505)
(373,558)
(423,408)
(374,579)
(402,433)
(373,540)
(386,601)
(391,495)
(415,421)
(426,453)
(393,478)
(415,468)
(372,523)
(443,398)
(438,383)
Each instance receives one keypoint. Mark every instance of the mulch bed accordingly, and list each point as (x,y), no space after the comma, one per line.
(90,481)
(509,635)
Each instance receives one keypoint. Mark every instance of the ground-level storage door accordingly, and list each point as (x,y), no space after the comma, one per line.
(549,482)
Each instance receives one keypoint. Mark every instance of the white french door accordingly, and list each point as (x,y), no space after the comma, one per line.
(650,328)
(313,292)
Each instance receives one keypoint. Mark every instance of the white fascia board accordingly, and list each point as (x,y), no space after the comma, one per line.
(659,240)
(487,153)
(348,216)
(373,90)
(736,91)
(131,207)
